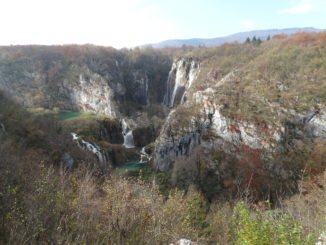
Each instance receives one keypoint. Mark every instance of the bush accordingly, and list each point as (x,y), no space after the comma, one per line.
(269,227)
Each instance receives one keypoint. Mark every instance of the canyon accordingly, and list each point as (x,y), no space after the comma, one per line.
(218,118)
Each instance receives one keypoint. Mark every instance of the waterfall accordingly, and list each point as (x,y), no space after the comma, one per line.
(193,73)
(175,89)
(144,157)
(181,76)
(128,138)
(88,146)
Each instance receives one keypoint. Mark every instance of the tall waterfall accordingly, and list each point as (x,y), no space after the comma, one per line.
(181,77)
(128,138)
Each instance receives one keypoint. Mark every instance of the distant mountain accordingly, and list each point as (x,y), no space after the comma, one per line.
(237,37)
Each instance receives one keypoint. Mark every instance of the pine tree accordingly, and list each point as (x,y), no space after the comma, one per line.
(254,40)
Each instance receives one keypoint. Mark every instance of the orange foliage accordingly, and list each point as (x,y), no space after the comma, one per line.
(305,38)
(228,45)
(279,36)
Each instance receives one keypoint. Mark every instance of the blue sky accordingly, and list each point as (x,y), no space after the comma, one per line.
(127,23)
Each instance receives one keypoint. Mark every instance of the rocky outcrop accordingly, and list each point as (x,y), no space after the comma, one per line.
(169,145)
(144,135)
(2,129)
(183,73)
(110,131)
(68,161)
(219,130)
(234,149)
(90,92)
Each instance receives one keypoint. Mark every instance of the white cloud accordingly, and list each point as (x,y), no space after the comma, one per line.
(300,7)
(122,23)
(248,24)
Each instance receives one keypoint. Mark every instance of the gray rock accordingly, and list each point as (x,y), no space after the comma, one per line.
(68,161)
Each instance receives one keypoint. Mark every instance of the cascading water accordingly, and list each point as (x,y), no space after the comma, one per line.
(181,77)
(144,157)
(88,146)
(128,138)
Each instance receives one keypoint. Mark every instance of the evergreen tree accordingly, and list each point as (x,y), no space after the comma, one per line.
(254,40)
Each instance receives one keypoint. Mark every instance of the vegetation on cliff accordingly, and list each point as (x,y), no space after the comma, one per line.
(42,201)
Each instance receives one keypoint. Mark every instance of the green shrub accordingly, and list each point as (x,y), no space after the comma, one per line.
(265,227)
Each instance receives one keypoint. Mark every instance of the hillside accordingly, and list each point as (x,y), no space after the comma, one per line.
(220,145)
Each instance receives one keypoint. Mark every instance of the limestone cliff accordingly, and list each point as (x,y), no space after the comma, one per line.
(82,78)
(239,115)
(227,151)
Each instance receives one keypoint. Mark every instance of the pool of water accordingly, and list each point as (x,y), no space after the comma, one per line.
(132,166)
(64,115)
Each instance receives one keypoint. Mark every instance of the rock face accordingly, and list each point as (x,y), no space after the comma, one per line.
(90,92)
(91,79)
(144,135)
(68,161)
(232,150)
(2,128)
(169,145)
(183,73)
(215,124)
(110,131)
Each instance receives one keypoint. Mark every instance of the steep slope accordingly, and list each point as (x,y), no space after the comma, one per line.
(84,78)
(241,115)
(123,86)
(252,119)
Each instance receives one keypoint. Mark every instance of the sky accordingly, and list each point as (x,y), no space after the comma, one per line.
(128,23)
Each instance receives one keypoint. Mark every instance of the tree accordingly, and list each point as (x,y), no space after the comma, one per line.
(254,39)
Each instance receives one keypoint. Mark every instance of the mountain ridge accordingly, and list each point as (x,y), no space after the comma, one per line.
(236,37)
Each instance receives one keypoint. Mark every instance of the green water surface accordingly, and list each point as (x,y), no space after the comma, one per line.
(132,166)
(64,115)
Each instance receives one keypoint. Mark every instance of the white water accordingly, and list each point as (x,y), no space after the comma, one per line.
(182,80)
(192,76)
(128,138)
(144,157)
(88,146)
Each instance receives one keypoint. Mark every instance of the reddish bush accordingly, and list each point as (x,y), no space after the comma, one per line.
(234,128)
